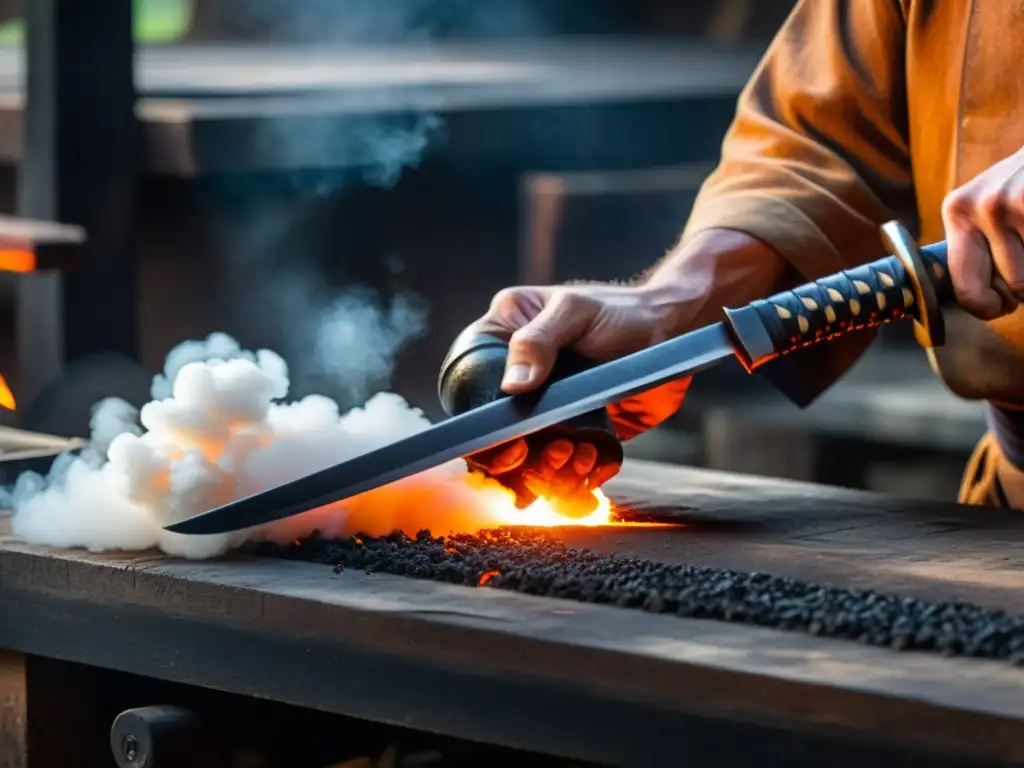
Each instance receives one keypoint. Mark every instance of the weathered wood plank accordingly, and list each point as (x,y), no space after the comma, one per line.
(366,645)
(846,538)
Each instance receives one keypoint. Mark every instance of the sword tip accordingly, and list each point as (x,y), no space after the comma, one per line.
(192,526)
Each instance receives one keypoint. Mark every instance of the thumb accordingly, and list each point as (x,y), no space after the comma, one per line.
(533,348)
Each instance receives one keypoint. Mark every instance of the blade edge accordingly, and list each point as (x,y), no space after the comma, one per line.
(495,423)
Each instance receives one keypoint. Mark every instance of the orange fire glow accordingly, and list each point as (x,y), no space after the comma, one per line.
(468,505)
(6,396)
(17,260)
(543,514)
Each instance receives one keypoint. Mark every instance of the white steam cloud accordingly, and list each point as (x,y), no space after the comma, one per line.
(219,428)
(388,127)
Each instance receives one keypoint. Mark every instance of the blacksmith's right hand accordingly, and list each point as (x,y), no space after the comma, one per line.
(601,322)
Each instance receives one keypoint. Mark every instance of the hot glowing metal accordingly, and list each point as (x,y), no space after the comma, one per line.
(481,428)
(756,334)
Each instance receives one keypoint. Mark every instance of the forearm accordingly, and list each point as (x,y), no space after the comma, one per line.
(717,268)
(817,157)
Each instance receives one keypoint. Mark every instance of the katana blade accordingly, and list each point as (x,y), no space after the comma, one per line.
(476,430)
(912,283)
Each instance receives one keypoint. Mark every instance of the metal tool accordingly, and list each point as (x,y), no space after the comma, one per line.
(156,736)
(911,283)
(471,378)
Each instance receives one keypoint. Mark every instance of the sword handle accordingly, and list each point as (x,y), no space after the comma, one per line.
(471,377)
(911,283)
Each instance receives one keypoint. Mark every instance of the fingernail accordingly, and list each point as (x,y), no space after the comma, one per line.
(517,374)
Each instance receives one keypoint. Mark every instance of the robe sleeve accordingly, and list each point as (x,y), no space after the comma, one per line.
(817,156)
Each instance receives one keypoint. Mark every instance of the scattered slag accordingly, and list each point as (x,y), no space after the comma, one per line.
(536,562)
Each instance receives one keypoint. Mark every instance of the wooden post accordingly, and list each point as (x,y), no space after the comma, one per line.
(79,166)
(13,715)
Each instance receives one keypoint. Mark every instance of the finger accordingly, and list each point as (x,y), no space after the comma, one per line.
(999,225)
(500,460)
(511,309)
(1008,256)
(1015,285)
(510,457)
(563,484)
(533,348)
(1009,297)
(1003,253)
(537,484)
(571,479)
(557,453)
(584,458)
(539,467)
(603,473)
(568,485)
(970,263)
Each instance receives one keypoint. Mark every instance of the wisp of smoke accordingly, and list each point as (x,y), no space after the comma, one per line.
(347,339)
(361,22)
(219,428)
(340,341)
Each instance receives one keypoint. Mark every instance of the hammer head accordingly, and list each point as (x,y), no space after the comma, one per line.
(471,377)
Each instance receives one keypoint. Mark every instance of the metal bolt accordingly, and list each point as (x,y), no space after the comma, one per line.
(130,745)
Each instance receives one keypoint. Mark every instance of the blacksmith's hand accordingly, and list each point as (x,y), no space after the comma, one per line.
(984,221)
(601,322)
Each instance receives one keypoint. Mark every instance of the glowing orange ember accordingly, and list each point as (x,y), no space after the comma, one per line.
(485,578)
(6,396)
(464,504)
(543,513)
(17,260)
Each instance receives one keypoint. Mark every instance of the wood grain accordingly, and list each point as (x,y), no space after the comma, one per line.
(294,631)
(835,536)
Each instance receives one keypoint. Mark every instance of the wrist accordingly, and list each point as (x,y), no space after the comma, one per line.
(670,307)
(718,268)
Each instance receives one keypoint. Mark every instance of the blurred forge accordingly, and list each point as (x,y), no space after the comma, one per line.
(155,20)
(343,20)
(248,249)
(375,22)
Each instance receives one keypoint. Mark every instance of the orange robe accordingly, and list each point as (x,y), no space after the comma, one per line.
(863,111)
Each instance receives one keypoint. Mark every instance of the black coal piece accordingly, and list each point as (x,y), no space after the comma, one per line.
(536,562)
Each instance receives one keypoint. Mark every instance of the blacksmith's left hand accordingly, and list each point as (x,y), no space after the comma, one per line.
(984,222)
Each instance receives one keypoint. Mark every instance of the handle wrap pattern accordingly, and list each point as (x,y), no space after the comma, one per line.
(884,291)
(864,297)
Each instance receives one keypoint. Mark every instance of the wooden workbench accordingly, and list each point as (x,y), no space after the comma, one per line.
(199,103)
(628,687)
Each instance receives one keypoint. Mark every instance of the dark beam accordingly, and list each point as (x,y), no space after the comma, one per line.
(79,167)
(13,714)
